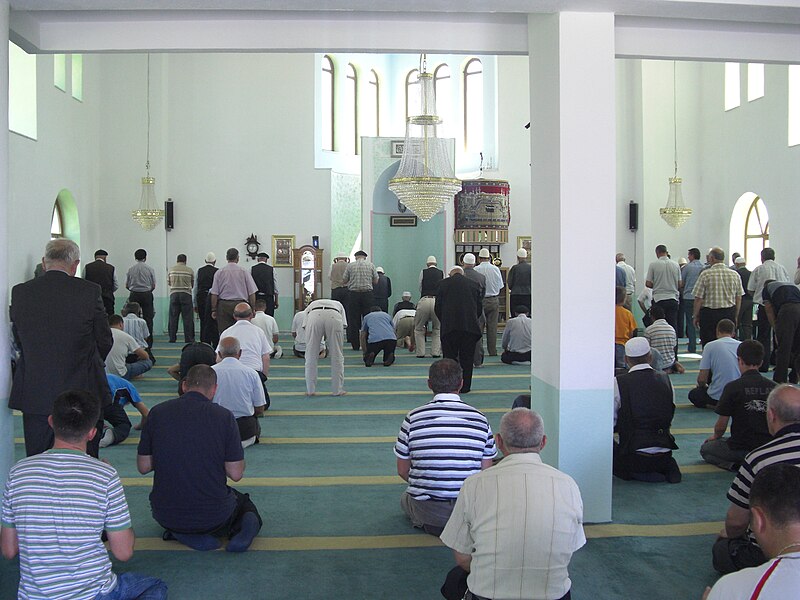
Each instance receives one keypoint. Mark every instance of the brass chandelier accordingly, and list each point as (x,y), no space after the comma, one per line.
(675,213)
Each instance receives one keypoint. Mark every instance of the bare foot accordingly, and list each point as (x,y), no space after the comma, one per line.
(311,393)
(342,393)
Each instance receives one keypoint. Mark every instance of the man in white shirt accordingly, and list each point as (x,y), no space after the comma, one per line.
(491,302)
(299,335)
(630,280)
(268,325)
(519,507)
(768,269)
(664,278)
(517,338)
(125,346)
(255,346)
(239,390)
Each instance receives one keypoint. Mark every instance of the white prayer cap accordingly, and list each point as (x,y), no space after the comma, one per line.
(484,253)
(636,347)
(380,270)
(406,294)
(211,257)
(740,260)
(469,258)
(522,253)
(431,260)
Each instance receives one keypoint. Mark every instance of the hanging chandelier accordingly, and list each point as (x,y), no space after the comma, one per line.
(425,181)
(675,213)
(148,215)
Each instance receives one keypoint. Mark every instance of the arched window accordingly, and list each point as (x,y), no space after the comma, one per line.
(442,86)
(372,112)
(473,106)
(749,231)
(412,93)
(57,222)
(326,96)
(351,103)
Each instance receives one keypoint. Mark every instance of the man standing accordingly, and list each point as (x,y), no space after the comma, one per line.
(193,446)
(501,511)
(359,277)
(101,273)
(768,269)
(744,400)
(382,290)
(60,326)
(735,548)
(517,338)
(491,302)
(141,282)
(239,390)
(664,278)
(440,444)
(717,295)
(718,367)
(471,273)
(689,273)
(429,279)
(231,285)
(459,307)
(205,278)
(266,281)
(377,333)
(746,308)
(180,280)
(630,280)
(781,302)
(325,319)
(57,505)
(117,361)
(336,276)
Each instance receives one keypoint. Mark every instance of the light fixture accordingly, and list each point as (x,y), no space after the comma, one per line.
(425,181)
(675,213)
(148,215)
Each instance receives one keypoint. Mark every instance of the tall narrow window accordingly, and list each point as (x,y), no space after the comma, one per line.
(473,106)
(794,105)
(442,85)
(733,97)
(412,93)
(326,97)
(57,222)
(755,81)
(372,110)
(351,102)
(77,77)
(21,91)
(756,229)
(60,71)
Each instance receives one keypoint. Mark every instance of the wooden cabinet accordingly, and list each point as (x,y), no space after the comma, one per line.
(307,267)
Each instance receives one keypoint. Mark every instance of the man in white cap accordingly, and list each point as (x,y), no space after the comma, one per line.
(382,290)
(491,302)
(205,277)
(519,281)
(471,273)
(644,404)
(429,279)
(403,321)
(338,286)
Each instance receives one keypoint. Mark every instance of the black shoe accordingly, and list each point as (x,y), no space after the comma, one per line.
(369,359)
(389,361)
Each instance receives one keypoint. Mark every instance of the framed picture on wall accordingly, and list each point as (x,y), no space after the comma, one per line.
(524,241)
(282,246)
(397,148)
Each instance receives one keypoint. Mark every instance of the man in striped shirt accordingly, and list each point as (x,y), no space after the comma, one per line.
(440,444)
(735,548)
(662,338)
(57,504)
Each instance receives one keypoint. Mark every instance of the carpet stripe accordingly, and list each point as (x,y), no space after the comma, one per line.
(351,393)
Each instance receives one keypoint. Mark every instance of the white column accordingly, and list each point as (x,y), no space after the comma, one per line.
(6,420)
(573,208)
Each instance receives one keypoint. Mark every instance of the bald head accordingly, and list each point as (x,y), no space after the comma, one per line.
(242,312)
(229,347)
(521,430)
(783,407)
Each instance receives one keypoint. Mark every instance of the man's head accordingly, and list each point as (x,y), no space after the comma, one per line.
(140,254)
(619,295)
(484,255)
(740,261)
(637,351)
(431,261)
(229,347)
(181,259)
(232,255)
(456,271)
(522,255)
(201,379)
(716,255)
(341,257)
(380,271)
(725,328)
(520,309)
(783,407)
(260,305)
(750,354)
(445,376)
(132,308)
(406,296)
(693,254)
(734,256)
(361,255)
(373,309)
(521,431)
(211,258)
(656,312)
(468,260)
(75,414)
(101,255)
(767,254)
(661,250)
(62,255)
(619,258)
(116,322)
(775,507)
(242,312)
(262,257)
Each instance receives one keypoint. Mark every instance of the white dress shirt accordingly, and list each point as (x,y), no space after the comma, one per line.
(494,280)
(253,342)
(239,388)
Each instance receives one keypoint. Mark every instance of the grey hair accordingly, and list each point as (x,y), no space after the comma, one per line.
(717,253)
(522,429)
(62,251)
(229,346)
(784,400)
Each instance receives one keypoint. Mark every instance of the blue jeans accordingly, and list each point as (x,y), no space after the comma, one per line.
(137,368)
(132,586)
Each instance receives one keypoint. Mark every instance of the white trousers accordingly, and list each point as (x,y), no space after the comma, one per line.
(324,323)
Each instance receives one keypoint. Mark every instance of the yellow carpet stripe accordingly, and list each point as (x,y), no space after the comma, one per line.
(610,530)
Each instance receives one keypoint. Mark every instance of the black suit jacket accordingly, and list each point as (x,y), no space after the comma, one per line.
(459,305)
(60,325)
(102,274)
(264,277)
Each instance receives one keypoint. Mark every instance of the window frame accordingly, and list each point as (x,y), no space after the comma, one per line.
(330,71)
(465,74)
(352,76)
(764,235)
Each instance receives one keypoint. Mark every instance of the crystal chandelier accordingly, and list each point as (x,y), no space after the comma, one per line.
(425,181)
(675,213)
(148,215)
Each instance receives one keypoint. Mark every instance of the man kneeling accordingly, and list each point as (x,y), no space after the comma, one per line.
(193,445)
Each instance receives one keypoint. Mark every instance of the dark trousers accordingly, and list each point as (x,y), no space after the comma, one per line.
(733,554)
(764,335)
(145,300)
(519,300)
(645,467)
(709,317)
(340,294)
(746,318)
(687,310)
(670,312)
(180,306)
(232,524)
(248,427)
(383,303)
(787,335)
(263,379)
(455,587)
(108,303)
(700,398)
(39,435)
(119,421)
(358,305)
(208,326)
(680,330)
(512,357)
(225,313)
(269,299)
(460,346)
(373,348)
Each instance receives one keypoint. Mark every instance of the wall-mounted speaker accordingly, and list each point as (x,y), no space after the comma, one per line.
(169,215)
(633,216)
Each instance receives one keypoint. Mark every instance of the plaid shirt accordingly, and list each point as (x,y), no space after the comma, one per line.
(360,275)
(718,287)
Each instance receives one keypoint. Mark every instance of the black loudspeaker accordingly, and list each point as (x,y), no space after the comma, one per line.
(633,216)
(169,215)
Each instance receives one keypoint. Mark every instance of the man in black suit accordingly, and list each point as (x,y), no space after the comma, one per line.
(60,327)
(205,278)
(101,273)
(264,276)
(458,307)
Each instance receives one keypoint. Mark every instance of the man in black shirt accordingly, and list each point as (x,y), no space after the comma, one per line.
(782,305)
(101,273)
(264,276)
(745,401)
(404,304)
(205,278)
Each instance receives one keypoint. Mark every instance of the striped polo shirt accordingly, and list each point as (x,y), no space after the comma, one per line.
(60,502)
(446,440)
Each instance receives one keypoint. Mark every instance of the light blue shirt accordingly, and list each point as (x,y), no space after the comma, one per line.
(378,326)
(690,274)
(720,358)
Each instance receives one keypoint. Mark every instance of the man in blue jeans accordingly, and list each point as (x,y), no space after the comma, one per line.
(690,273)
(57,504)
